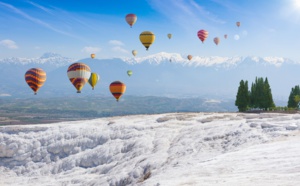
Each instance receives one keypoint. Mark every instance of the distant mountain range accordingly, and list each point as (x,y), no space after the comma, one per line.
(161,74)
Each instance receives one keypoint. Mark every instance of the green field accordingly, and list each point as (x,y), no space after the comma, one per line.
(49,110)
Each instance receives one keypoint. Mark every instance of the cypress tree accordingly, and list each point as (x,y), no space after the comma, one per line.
(292,103)
(267,102)
(242,97)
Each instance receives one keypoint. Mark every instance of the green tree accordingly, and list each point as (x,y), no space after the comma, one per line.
(261,94)
(292,102)
(267,101)
(257,93)
(242,97)
(297,100)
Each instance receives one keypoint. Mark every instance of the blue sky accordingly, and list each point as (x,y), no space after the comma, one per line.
(77,28)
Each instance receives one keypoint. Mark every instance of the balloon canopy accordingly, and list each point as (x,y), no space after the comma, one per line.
(131,19)
(35,78)
(79,74)
(117,88)
(93,80)
(147,38)
(202,35)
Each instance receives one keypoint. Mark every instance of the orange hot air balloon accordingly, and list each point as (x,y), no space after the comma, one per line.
(202,34)
(35,78)
(79,74)
(238,24)
(189,57)
(131,19)
(93,56)
(225,36)
(217,40)
(117,88)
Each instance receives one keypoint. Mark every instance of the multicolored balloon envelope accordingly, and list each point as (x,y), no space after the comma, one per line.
(131,19)
(93,80)
(35,78)
(117,88)
(79,74)
(238,24)
(147,38)
(189,57)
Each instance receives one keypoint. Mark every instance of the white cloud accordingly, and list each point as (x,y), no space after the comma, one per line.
(120,49)
(236,37)
(41,7)
(89,49)
(116,42)
(188,14)
(5,95)
(9,44)
(212,101)
(37,21)
(37,47)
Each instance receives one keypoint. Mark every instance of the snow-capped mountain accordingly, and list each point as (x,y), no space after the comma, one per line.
(163,74)
(46,59)
(200,61)
(174,149)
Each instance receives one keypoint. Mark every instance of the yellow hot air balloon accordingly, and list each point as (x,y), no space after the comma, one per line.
(134,52)
(117,88)
(79,74)
(147,38)
(189,57)
(35,78)
(93,80)
(169,36)
(93,56)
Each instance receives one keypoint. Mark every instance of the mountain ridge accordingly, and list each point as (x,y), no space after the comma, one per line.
(155,59)
(157,75)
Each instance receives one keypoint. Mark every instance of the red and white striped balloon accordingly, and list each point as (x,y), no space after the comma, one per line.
(202,34)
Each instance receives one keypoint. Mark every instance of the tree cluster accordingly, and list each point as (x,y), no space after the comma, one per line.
(259,96)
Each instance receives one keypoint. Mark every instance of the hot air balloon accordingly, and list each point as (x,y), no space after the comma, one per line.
(129,73)
(189,57)
(225,36)
(202,34)
(169,36)
(35,78)
(79,74)
(147,38)
(93,56)
(131,19)
(93,80)
(117,88)
(134,52)
(238,24)
(217,40)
